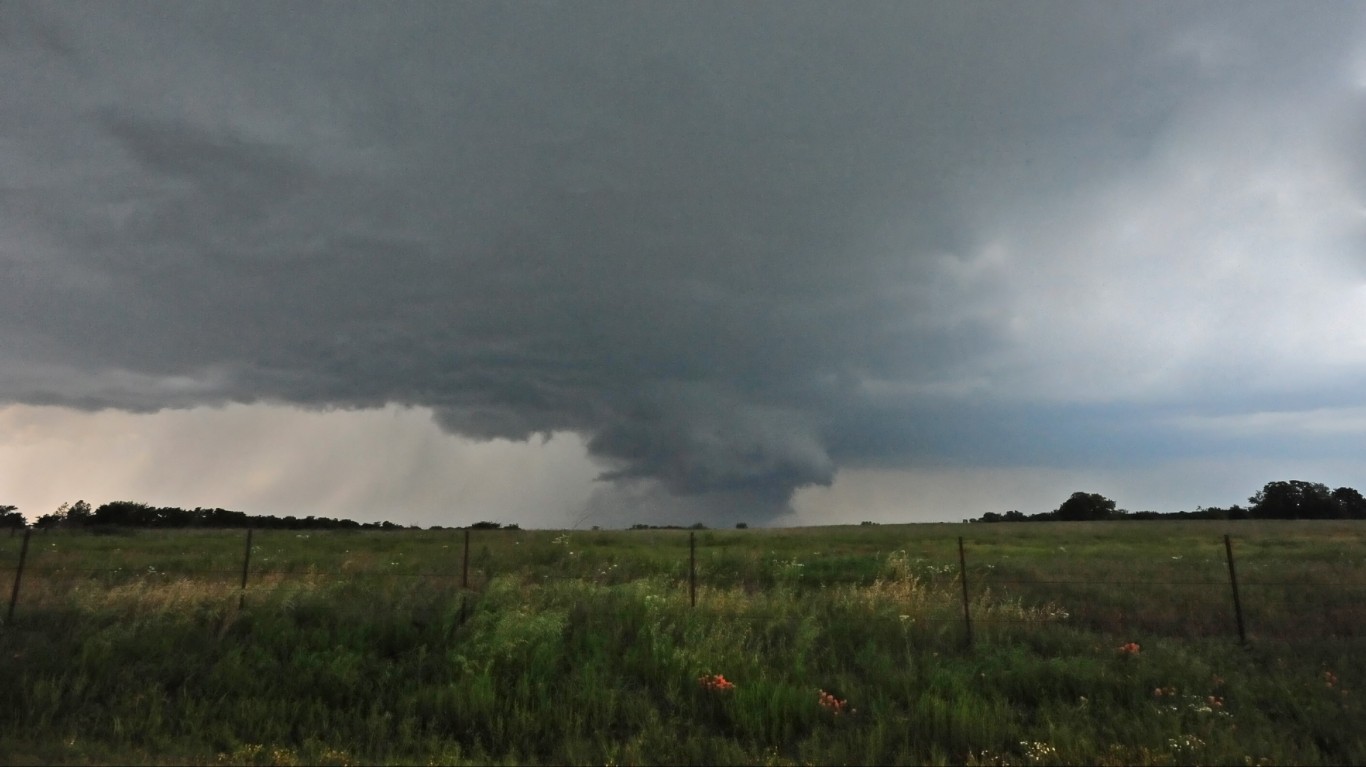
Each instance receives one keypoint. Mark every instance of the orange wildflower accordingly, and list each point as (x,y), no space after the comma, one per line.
(831,702)
(715,682)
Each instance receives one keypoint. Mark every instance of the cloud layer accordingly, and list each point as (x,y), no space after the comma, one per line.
(734,248)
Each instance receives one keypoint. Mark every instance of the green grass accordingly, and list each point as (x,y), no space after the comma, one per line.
(582,647)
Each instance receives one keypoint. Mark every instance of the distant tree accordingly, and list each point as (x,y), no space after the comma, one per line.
(1295,499)
(741,525)
(1232,512)
(125,513)
(221,518)
(1350,503)
(52,519)
(10,517)
(66,515)
(78,514)
(1085,507)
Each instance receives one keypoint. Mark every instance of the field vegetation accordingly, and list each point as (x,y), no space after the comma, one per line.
(1109,643)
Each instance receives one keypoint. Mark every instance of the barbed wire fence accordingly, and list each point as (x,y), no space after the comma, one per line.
(1341,611)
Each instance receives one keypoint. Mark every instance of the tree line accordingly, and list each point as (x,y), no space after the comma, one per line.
(1293,499)
(133,514)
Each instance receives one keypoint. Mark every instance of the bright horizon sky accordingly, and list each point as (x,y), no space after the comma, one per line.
(604,263)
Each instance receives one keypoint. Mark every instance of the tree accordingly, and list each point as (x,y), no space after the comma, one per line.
(1350,503)
(78,513)
(1295,499)
(52,519)
(67,515)
(1084,507)
(127,513)
(10,517)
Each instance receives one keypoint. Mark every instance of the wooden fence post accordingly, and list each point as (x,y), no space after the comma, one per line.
(246,562)
(1233,581)
(963,572)
(465,563)
(18,576)
(692,569)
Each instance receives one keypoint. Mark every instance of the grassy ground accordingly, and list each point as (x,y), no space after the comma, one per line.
(582,647)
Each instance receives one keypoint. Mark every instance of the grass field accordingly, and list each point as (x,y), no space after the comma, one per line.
(1111,643)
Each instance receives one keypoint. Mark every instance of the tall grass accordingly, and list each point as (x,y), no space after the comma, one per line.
(581,647)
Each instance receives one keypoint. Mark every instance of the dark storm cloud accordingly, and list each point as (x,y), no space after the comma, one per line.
(733,245)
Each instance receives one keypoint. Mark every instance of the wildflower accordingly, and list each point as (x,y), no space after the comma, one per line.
(832,703)
(1131,648)
(1185,743)
(1037,751)
(715,683)
(1330,679)
(1214,701)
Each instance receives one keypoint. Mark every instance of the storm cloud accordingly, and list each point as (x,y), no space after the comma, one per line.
(733,247)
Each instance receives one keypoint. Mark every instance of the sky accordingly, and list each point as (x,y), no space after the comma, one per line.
(566,264)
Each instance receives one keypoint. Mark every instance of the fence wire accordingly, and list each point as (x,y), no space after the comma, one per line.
(1276,608)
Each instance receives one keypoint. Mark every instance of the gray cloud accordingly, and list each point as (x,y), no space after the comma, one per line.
(734,247)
